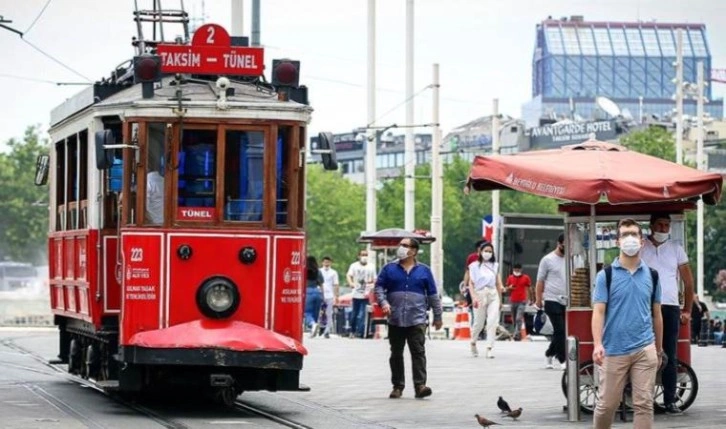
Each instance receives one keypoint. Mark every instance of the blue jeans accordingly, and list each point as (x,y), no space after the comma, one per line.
(313,301)
(671,325)
(718,338)
(358,318)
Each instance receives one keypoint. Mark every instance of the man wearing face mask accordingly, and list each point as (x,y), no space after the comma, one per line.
(405,290)
(551,290)
(627,330)
(671,262)
(361,277)
(330,292)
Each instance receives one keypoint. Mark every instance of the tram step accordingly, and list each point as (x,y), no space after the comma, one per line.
(108,385)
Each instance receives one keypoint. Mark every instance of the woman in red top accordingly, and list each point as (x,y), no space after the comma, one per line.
(518,285)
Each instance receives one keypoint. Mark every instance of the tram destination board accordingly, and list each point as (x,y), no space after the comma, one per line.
(211,53)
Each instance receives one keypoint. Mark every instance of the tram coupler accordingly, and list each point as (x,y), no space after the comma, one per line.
(221,380)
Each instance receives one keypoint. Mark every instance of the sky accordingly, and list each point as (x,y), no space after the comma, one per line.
(484,48)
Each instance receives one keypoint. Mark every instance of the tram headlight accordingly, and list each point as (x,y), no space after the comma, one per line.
(218,298)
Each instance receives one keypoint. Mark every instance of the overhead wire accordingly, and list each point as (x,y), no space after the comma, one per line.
(37,17)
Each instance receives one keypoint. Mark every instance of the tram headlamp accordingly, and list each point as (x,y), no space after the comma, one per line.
(218,298)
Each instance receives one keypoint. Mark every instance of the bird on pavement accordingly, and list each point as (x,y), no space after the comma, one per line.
(484,421)
(515,414)
(502,404)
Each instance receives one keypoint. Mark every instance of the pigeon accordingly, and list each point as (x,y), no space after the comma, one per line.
(502,404)
(515,414)
(484,422)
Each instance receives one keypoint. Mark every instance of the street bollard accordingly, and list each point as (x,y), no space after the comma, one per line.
(573,379)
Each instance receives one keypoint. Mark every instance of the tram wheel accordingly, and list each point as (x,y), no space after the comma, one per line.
(588,390)
(686,389)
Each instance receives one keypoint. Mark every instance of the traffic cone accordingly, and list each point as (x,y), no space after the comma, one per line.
(523,332)
(464,326)
(457,322)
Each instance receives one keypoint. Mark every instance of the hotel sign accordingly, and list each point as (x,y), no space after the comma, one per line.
(556,135)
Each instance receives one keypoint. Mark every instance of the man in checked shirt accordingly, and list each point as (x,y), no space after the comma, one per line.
(405,290)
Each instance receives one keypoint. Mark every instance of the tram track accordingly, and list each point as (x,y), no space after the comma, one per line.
(165,422)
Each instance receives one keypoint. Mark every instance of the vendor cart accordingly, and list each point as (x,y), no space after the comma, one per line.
(600,183)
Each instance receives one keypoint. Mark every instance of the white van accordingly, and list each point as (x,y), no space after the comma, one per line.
(16,276)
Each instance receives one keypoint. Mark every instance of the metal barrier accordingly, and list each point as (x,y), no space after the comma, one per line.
(22,309)
(573,379)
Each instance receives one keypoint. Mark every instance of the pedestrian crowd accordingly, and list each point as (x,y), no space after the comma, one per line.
(636,312)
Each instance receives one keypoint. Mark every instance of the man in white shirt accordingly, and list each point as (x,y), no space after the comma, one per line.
(154,198)
(331,290)
(361,277)
(670,260)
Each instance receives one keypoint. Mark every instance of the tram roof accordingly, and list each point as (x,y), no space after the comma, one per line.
(258,102)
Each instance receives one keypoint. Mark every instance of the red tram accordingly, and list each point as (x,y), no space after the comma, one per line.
(176,240)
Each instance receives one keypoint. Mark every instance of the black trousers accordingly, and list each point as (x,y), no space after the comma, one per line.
(556,313)
(671,325)
(415,336)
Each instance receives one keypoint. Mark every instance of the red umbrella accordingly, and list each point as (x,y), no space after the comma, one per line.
(592,172)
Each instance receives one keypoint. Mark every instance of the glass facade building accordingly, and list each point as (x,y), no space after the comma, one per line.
(630,63)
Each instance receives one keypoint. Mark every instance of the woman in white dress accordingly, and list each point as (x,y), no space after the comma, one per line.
(485,287)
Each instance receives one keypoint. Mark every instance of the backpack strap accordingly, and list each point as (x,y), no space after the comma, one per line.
(653,276)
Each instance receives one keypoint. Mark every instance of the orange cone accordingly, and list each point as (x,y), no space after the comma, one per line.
(523,332)
(457,322)
(463,325)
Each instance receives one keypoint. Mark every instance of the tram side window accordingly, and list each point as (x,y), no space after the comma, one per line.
(83,180)
(155,168)
(197,168)
(244,174)
(60,185)
(285,167)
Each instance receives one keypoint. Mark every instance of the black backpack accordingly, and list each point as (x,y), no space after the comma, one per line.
(653,275)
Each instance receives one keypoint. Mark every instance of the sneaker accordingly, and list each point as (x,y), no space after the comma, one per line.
(563,366)
(314,330)
(474,350)
(422,392)
(549,365)
(396,393)
(327,335)
(490,353)
(673,409)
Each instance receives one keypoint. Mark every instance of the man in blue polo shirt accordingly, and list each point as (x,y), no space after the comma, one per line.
(627,331)
(405,290)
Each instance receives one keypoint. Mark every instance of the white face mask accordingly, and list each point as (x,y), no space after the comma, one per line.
(517,273)
(630,245)
(660,237)
(402,252)
(486,256)
(363,259)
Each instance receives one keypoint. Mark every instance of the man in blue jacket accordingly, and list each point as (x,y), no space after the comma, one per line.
(405,290)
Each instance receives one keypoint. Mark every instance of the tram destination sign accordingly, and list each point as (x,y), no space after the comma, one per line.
(211,53)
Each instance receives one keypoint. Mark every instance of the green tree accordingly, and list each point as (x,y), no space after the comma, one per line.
(335,216)
(653,141)
(24,223)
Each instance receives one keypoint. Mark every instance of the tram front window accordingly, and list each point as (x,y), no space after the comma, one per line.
(244,174)
(197,169)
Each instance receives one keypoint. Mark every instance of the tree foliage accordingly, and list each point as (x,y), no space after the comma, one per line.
(653,141)
(24,220)
(344,208)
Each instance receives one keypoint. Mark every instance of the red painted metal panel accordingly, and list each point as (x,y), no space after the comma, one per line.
(69,259)
(142,283)
(71,298)
(288,299)
(217,254)
(110,276)
(227,334)
(579,324)
(83,300)
(57,298)
(82,252)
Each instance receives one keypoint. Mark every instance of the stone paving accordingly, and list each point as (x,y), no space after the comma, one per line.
(352,376)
